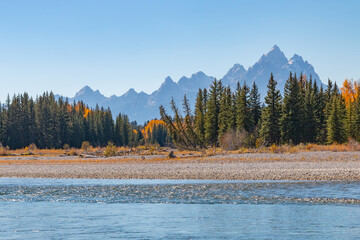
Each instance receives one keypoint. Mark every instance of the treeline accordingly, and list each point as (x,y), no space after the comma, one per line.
(305,114)
(52,124)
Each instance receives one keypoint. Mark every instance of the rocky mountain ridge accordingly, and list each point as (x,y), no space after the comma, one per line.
(142,106)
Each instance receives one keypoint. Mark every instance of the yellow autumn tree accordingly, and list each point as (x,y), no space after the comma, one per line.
(349,91)
(156,132)
(349,94)
(149,128)
(80,107)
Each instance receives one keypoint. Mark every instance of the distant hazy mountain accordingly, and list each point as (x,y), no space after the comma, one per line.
(142,106)
(273,62)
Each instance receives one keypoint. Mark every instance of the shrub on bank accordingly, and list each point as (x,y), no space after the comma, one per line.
(110,150)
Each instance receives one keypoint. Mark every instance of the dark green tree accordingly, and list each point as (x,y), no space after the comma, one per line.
(255,107)
(212,113)
(226,119)
(309,122)
(291,131)
(199,122)
(244,120)
(336,132)
(271,114)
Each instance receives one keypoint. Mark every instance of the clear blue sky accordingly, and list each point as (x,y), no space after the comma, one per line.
(115,45)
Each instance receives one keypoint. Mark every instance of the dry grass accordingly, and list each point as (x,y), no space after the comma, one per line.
(155,153)
(348,147)
(4,152)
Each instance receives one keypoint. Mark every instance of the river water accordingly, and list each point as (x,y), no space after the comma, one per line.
(178,209)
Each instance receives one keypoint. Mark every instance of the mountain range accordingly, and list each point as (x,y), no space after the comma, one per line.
(140,106)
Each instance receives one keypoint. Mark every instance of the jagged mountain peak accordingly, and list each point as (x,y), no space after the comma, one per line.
(198,74)
(274,55)
(196,81)
(235,74)
(142,106)
(131,91)
(90,97)
(86,89)
(168,80)
(167,84)
(274,50)
(237,68)
(296,58)
(274,59)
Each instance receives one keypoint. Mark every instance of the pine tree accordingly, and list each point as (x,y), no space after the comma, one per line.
(270,124)
(118,138)
(64,122)
(176,127)
(226,114)
(77,123)
(126,130)
(244,119)
(309,121)
(189,125)
(5,122)
(350,120)
(290,122)
(14,133)
(254,102)
(108,126)
(199,122)
(318,105)
(205,100)
(322,117)
(212,113)
(336,132)
(329,90)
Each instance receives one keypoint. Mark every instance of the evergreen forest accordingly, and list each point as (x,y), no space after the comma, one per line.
(306,113)
(49,123)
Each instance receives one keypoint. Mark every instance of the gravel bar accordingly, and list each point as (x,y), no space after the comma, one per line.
(254,166)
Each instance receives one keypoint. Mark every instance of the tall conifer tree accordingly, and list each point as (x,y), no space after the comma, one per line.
(254,102)
(212,113)
(226,115)
(244,119)
(309,105)
(290,122)
(199,122)
(336,132)
(270,124)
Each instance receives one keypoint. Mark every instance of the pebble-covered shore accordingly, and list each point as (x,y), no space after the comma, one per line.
(251,166)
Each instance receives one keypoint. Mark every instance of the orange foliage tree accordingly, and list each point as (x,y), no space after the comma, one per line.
(149,128)
(349,92)
(155,132)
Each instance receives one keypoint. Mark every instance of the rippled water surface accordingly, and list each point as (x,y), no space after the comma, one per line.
(178,209)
